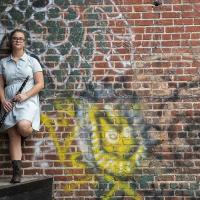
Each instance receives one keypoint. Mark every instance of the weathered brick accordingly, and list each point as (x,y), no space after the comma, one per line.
(120,75)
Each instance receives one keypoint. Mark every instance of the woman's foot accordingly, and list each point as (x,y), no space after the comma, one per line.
(16,165)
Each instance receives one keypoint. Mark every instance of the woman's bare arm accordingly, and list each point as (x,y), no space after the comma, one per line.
(38,86)
(7,105)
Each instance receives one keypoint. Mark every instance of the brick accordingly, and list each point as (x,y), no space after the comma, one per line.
(171,15)
(99,57)
(143,22)
(192,29)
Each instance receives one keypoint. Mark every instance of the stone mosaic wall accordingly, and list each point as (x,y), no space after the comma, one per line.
(120,108)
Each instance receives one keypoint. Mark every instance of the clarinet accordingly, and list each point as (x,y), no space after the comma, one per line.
(18,92)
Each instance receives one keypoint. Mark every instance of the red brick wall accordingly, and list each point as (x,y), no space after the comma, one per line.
(120,110)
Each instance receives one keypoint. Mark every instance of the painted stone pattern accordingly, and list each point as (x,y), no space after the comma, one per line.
(120,108)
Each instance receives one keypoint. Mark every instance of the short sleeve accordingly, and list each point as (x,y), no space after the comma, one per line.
(35,65)
(1,67)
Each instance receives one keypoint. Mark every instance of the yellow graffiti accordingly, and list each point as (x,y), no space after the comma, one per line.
(66,107)
(119,185)
(77,184)
(113,159)
(122,186)
(63,149)
(112,142)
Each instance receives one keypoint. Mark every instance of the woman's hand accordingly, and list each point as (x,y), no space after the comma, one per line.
(20,98)
(7,105)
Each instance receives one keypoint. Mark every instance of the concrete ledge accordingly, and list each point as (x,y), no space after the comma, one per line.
(28,189)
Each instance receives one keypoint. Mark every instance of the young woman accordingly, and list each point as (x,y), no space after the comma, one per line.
(23,117)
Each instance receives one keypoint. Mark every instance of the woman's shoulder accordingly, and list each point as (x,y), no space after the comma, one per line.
(4,60)
(33,56)
(35,62)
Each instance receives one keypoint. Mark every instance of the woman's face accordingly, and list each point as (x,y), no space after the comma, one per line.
(18,41)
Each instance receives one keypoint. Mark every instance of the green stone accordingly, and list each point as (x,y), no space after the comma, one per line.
(86,65)
(164,186)
(75,72)
(16,15)
(40,3)
(6,2)
(145,179)
(64,49)
(94,2)
(71,14)
(52,24)
(93,16)
(78,2)
(53,30)
(173,186)
(47,107)
(31,25)
(58,75)
(73,60)
(2,8)
(93,29)
(60,37)
(52,58)
(53,12)
(52,37)
(29,12)
(39,16)
(88,52)
(71,79)
(51,51)
(76,34)
(108,9)
(134,185)
(23,5)
(194,186)
(37,47)
(62,3)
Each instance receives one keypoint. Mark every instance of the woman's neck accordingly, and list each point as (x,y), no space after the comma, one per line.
(17,54)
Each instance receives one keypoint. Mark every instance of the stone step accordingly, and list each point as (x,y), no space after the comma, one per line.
(30,188)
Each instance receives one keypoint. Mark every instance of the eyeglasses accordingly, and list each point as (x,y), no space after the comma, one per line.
(20,39)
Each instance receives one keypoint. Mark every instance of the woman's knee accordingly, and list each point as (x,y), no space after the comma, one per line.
(24,128)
